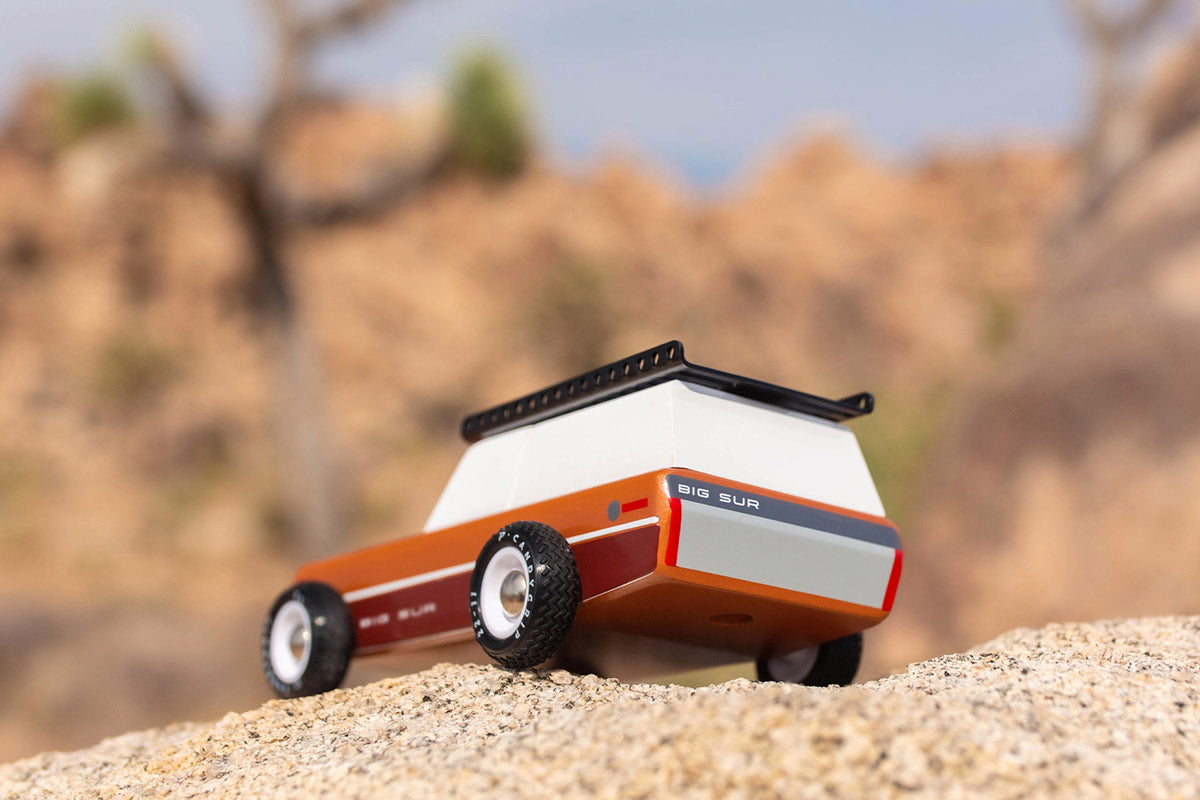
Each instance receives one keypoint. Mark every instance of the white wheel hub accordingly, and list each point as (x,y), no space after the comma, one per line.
(793,667)
(291,641)
(504,592)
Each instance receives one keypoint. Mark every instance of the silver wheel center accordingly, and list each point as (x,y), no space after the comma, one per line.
(299,643)
(512,593)
(291,641)
(793,667)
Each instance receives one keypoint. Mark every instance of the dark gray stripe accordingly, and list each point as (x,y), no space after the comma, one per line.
(717,496)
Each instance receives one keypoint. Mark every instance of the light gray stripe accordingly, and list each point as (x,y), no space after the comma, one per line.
(800,559)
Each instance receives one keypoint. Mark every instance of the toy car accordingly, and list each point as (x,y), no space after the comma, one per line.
(648,501)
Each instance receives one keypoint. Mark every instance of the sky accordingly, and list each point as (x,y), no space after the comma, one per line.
(703,88)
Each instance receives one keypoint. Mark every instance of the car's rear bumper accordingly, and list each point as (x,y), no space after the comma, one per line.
(749,536)
(754,571)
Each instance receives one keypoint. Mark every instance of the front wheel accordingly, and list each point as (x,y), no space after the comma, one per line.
(307,641)
(830,664)
(524,592)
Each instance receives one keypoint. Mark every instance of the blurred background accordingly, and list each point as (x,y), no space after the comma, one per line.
(259,257)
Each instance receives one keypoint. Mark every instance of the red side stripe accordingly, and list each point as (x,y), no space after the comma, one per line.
(634,505)
(889,596)
(612,561)
(673,539)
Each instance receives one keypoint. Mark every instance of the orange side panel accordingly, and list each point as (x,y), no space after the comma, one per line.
(583,512)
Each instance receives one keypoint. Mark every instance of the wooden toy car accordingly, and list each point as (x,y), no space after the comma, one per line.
(650,500)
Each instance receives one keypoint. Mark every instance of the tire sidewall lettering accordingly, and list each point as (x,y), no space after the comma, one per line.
(547,558)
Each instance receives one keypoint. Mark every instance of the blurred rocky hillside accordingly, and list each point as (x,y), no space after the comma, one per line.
(144,519)
(1073,468)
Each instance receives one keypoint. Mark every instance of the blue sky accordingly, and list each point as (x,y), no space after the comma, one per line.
(702,87)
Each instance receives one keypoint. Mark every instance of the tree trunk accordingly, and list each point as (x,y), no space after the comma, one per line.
(316,496)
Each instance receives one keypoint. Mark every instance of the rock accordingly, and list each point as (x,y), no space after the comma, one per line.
(1084,710)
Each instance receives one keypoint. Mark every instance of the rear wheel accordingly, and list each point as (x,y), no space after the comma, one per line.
(830,664)
(524,593)
(307,641)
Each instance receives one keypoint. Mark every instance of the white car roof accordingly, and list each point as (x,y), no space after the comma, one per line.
(673,424)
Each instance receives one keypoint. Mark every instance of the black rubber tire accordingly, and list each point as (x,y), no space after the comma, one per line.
(552,595)
(836,665)
(331,641)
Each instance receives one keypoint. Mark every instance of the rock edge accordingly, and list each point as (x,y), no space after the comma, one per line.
(1106,709)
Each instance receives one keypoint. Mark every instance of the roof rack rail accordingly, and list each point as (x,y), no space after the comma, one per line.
(649,368)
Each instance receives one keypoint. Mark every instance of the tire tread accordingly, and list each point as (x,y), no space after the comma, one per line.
(332,640)
(557,594)
(836,665)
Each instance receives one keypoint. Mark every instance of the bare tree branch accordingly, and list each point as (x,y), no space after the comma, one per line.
(201,151)
(345,18)
(187,107)
(1115,134)
(382,190)
(245,168)
(298,35)
(1107,25)
(189,141)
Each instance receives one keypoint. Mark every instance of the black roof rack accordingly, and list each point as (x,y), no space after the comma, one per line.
(649,368)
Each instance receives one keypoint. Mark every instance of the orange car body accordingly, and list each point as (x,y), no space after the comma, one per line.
(650,508)
(701,509)
(648,566)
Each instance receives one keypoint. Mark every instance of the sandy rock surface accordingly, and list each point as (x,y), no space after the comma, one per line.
(1109,709)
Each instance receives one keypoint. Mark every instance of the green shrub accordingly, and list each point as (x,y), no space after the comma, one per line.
(277,522)
(131,373)
(571,318)
(489,124)
(897,443)
(24,484)
(90,104)
(1001,318)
